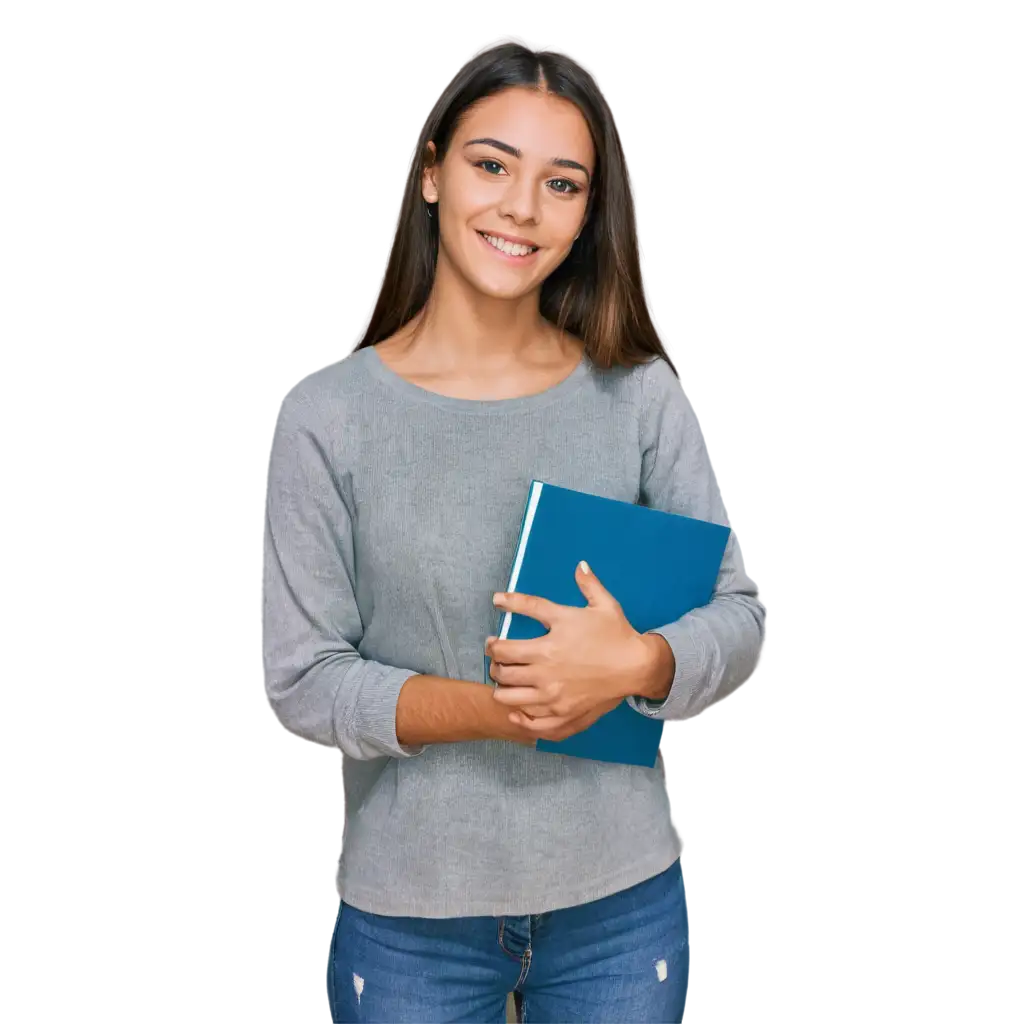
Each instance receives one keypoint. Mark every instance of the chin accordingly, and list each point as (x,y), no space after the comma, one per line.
(508,292)
(501,290)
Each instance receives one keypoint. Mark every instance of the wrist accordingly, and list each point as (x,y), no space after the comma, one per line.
(659,668)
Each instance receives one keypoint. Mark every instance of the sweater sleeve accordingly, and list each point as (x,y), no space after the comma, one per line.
(717,646)
(318,684)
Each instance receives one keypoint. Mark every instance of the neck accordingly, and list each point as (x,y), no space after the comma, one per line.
(466,331)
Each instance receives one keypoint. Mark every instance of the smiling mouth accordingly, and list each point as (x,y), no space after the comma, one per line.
(518,252)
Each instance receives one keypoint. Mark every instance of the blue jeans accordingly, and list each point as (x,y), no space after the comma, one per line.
(625,957)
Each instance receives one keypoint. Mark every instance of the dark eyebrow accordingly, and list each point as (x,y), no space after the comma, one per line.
(557,161)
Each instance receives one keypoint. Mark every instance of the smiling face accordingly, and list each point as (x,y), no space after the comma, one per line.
(512,191)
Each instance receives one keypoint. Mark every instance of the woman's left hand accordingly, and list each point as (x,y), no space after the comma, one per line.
(590,656)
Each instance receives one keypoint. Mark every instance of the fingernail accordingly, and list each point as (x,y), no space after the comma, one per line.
(497,598)
(585,568)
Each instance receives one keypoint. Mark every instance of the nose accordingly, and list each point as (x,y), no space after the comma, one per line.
(520,202)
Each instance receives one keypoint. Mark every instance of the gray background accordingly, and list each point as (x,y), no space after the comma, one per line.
(190,207)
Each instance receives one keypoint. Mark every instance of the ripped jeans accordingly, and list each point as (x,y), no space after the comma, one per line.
(625,957)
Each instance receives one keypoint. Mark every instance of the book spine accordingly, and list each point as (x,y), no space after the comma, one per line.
(536,489)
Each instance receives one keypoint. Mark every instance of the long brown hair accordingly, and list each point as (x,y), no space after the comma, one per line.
(596,293)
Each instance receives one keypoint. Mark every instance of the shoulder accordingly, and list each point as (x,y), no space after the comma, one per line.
(648,394)
(322,395)
(326,416)
(660,386)
(665,408)
(657,379)
(646,387)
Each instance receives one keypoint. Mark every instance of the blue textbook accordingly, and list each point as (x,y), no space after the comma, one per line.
(658,565)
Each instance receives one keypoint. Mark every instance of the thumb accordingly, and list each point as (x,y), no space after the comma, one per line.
(590,586)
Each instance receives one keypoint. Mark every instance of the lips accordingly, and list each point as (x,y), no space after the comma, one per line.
(506,255)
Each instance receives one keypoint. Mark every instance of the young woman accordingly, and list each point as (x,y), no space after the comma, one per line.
(510,341)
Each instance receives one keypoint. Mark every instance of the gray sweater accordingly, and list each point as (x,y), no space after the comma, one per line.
(392,518)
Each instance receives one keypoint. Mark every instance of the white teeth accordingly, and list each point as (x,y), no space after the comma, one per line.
(512,248)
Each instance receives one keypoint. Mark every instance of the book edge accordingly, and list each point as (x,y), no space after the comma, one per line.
(532,501)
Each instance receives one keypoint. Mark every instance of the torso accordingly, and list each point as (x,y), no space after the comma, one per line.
(436,499)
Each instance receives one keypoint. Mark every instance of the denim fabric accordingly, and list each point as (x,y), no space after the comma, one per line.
(624,957)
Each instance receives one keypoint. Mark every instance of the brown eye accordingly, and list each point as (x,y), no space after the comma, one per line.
(480,163)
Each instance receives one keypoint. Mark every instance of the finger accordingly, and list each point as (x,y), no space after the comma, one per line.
(539,608)
(514,675)
(551,726)
(590,586)
(515,652)
(534,711)
(547,723)
(517,695)
(557,727)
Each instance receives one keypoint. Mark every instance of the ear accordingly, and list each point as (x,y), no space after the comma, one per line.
(428,183)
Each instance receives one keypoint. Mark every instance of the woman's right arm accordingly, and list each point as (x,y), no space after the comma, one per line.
(318,684)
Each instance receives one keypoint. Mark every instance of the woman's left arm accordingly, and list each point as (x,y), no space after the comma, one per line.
(716,647)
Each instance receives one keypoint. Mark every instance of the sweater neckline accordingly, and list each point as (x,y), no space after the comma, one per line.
(400,384)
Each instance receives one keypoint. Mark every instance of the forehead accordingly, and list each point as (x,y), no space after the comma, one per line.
(541,125)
